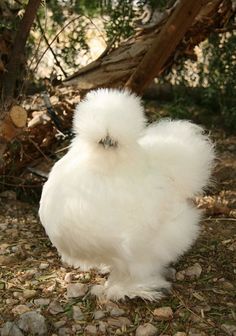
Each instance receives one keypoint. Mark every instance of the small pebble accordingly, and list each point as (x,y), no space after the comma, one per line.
(196,332)
(179,276)
(163,313)
(98,314)
(146,329)
(193,272)
(51,288)
(77,328)
(64,332)
(68,277)
(11,301)
(91,329)
(115,312)
(102,327)
(41,302)
(77,313)
(59,324)
(20,309)
(29,293)
(119,322)
(43,266)
(76,290)
(55,308)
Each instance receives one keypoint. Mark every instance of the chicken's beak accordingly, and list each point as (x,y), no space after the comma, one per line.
(108,142)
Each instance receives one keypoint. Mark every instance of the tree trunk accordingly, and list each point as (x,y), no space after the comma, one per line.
(153,49)
(13,119)
(17,57)
(165,44)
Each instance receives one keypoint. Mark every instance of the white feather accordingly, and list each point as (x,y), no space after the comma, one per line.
(126,206)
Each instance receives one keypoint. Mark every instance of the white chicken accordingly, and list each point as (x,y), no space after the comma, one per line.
(120,196)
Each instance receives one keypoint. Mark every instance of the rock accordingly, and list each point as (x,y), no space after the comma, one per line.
(91,329)
(194,271)
(163,313)
(20,309)
(11,301)
(33,323)
(17,295)
(119,322)
(64,332)
(55,308)
(102,327)
(51,288)
(180,333)
(146,329)
(98,314)
(10,329)
(29,293)
(76,290)
(59,324)
(3,227)
(29,274)
(41,302)
(230,329)
(77,328)
(115,312)
(43,266)
(170,273)
(180,276)
(196,332)
(77,314)
(68,277)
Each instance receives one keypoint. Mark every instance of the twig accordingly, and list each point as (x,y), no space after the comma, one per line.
(49,47)
(220,219)
(21,185)
(49,44)
(62,149)
(37,147)
(212,324)
(54,39)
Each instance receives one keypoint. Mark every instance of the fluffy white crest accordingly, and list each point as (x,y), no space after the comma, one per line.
(103,112)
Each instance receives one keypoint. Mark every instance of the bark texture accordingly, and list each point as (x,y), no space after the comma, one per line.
(155,47)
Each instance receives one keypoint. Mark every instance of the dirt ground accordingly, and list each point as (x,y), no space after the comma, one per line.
(39,295)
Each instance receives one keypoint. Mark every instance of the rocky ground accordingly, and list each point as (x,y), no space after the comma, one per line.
(41,296)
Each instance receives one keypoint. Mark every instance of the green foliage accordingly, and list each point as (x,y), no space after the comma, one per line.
(220,92)
(216,86)
(119,24)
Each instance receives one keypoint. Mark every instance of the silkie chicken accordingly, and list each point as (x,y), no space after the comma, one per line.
(121,196)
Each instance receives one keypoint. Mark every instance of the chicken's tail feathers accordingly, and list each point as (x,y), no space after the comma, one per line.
(183,151)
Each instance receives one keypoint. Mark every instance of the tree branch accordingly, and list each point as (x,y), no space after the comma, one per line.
(165,44)
(50,48)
